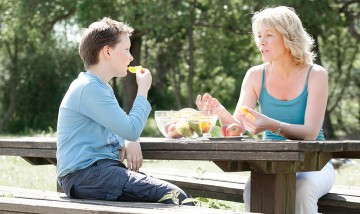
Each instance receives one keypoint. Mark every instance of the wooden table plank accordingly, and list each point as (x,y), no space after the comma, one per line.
(222,155)
(196,144)
(44,153)
(28,142)
(164,144)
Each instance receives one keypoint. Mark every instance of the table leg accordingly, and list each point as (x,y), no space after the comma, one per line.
(273,193)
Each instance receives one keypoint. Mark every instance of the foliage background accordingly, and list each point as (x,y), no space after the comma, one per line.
(190,46)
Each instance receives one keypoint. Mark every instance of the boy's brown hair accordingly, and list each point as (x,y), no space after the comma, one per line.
(98,35)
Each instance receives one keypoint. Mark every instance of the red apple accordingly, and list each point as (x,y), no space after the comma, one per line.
(166,127)
(171,131)
(223,130)
(233,130)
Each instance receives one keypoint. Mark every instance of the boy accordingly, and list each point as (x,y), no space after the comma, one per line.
(92,128)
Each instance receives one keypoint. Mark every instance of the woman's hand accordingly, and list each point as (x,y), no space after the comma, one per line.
(256,123)
(208,105)
(211,106)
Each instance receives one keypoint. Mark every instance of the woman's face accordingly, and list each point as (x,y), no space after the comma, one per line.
(271,44)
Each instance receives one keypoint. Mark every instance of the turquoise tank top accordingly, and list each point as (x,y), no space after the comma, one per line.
(289,111)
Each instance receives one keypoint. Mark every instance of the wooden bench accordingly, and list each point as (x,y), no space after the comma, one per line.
(18,200)
(341,200)
(231,188)
(227,187)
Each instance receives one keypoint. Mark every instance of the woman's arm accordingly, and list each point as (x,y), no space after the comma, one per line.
(250,89)
(315,108)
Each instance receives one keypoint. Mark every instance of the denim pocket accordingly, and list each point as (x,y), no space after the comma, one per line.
(88,186)
(94,171)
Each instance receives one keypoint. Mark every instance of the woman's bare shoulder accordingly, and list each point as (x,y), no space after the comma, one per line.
(318,72)
(318,78)
(319,69)
(255,70)
(253,78)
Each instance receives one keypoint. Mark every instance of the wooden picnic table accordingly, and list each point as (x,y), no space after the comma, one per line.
(273,164)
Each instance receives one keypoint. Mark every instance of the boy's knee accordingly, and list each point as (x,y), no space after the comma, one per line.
(177,194)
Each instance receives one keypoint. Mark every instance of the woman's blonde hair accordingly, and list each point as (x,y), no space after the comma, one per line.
(287,23)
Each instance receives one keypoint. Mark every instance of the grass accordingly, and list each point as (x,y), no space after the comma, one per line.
(16,172)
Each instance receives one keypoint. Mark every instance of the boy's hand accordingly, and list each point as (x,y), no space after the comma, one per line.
(143,79)
(133,153)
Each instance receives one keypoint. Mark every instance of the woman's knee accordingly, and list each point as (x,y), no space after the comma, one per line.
(306,196)
(305,187)
(247,195)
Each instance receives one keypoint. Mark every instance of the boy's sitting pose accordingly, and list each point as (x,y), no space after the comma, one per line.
(94,133)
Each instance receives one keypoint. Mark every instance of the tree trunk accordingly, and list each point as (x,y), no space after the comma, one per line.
(327,126)
(164,66)
(176,82)
(191,55)
(12,104)
(129,82)
(14,81)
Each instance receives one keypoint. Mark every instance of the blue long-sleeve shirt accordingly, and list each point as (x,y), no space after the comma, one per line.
(92,126)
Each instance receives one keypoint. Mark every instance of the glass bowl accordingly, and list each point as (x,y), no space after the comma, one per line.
(186,123)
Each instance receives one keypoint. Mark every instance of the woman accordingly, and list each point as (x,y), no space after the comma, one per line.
(292,95)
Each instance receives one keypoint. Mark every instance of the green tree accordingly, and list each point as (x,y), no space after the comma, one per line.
(190,46)
(32,66)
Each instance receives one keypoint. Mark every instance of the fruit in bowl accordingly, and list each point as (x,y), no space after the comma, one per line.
(187,123)
(233,130)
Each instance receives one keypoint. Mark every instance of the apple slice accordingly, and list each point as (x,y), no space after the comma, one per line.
(247,113)
(133,69)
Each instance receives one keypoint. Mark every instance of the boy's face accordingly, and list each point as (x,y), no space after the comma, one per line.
(121,57)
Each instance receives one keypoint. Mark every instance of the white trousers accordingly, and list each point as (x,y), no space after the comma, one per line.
(310,186)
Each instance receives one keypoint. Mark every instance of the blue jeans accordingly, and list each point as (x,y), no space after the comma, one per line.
(111,180)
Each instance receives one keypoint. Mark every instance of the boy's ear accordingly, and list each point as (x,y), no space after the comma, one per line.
(106,51)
